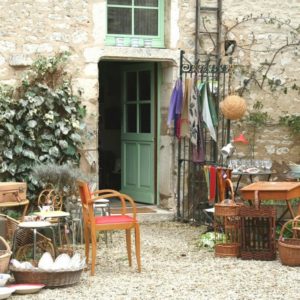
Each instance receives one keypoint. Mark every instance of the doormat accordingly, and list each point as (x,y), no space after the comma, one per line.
(139,210)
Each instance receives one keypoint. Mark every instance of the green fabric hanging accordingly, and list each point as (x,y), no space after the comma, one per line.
(212,107)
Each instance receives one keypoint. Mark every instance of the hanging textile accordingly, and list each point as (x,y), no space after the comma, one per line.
(206,175)
(212,184)
(184,120)
(210,174)
(175,106)
(194,118)
(199,149)
(207,118)
(212,107)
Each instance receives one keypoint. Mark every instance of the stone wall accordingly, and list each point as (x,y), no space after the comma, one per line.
(257,42)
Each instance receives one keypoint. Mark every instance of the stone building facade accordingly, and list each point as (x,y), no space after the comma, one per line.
(44,27)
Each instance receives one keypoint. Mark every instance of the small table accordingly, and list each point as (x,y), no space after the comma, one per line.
(53,214)
(278,191)
(35,225)
(240,174)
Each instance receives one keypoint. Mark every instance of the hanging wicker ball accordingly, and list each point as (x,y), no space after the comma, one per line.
(233,107)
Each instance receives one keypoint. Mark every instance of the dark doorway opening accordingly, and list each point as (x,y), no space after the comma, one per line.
(110,108)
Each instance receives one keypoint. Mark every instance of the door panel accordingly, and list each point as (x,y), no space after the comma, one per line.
(137,136)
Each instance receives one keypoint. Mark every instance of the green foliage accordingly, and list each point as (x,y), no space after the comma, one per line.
(41,121)
(207,240)
(288,232)
(291,121)
(257,117)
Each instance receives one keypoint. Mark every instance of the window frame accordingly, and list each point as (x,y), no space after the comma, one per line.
(140,41)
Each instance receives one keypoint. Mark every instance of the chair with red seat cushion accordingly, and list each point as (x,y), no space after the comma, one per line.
(93,223)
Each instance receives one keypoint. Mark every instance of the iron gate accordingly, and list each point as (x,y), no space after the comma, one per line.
(191,184)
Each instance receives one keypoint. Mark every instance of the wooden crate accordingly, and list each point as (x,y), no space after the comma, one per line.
(258,233)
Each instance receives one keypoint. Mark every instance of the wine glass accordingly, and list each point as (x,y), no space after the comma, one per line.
(268,164)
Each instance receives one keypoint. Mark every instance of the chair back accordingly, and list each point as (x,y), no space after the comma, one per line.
(50,197)
(86,201)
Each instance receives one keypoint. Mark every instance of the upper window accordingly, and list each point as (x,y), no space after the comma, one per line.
(135,23)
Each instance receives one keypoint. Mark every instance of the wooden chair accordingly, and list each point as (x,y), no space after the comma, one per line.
(93,223)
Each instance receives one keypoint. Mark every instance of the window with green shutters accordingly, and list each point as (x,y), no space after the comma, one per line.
(135,23)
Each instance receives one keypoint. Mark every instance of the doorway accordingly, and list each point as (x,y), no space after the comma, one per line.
(128,128)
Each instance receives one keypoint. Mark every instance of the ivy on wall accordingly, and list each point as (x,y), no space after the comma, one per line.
(41,121)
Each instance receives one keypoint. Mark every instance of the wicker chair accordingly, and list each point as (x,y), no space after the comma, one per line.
(23,242)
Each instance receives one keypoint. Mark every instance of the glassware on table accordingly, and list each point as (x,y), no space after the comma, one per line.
(234,163)
(268,164)
(258,164)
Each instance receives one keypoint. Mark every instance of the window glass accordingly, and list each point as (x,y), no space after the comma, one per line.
(144,85)
(119,2)
(131,118)
(153,3)
(135,23)
(118,20)
(131,84)
(145,118)
(146,21)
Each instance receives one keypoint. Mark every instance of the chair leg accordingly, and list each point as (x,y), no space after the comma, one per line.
(128,245)
(94,248)
(87,243)
(138,246)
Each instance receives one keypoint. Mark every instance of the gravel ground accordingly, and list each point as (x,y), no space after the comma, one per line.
(173,267)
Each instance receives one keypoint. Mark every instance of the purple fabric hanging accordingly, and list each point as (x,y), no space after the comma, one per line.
(175,104)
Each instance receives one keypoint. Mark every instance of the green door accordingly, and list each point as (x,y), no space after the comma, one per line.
(137,136)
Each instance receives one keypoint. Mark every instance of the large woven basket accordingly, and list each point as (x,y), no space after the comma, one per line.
(50,279)
(289,249)
(4,256)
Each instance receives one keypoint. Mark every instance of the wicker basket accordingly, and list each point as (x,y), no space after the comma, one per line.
(4,256)
(50,279)
(228,207)
(289,249)
(227,221)
(227,250)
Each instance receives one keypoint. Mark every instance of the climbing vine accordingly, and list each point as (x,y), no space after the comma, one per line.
(41,121)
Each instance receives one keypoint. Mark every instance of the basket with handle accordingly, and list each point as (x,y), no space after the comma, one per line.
(227,226)
(289,248)
(4,256)
(228,207)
